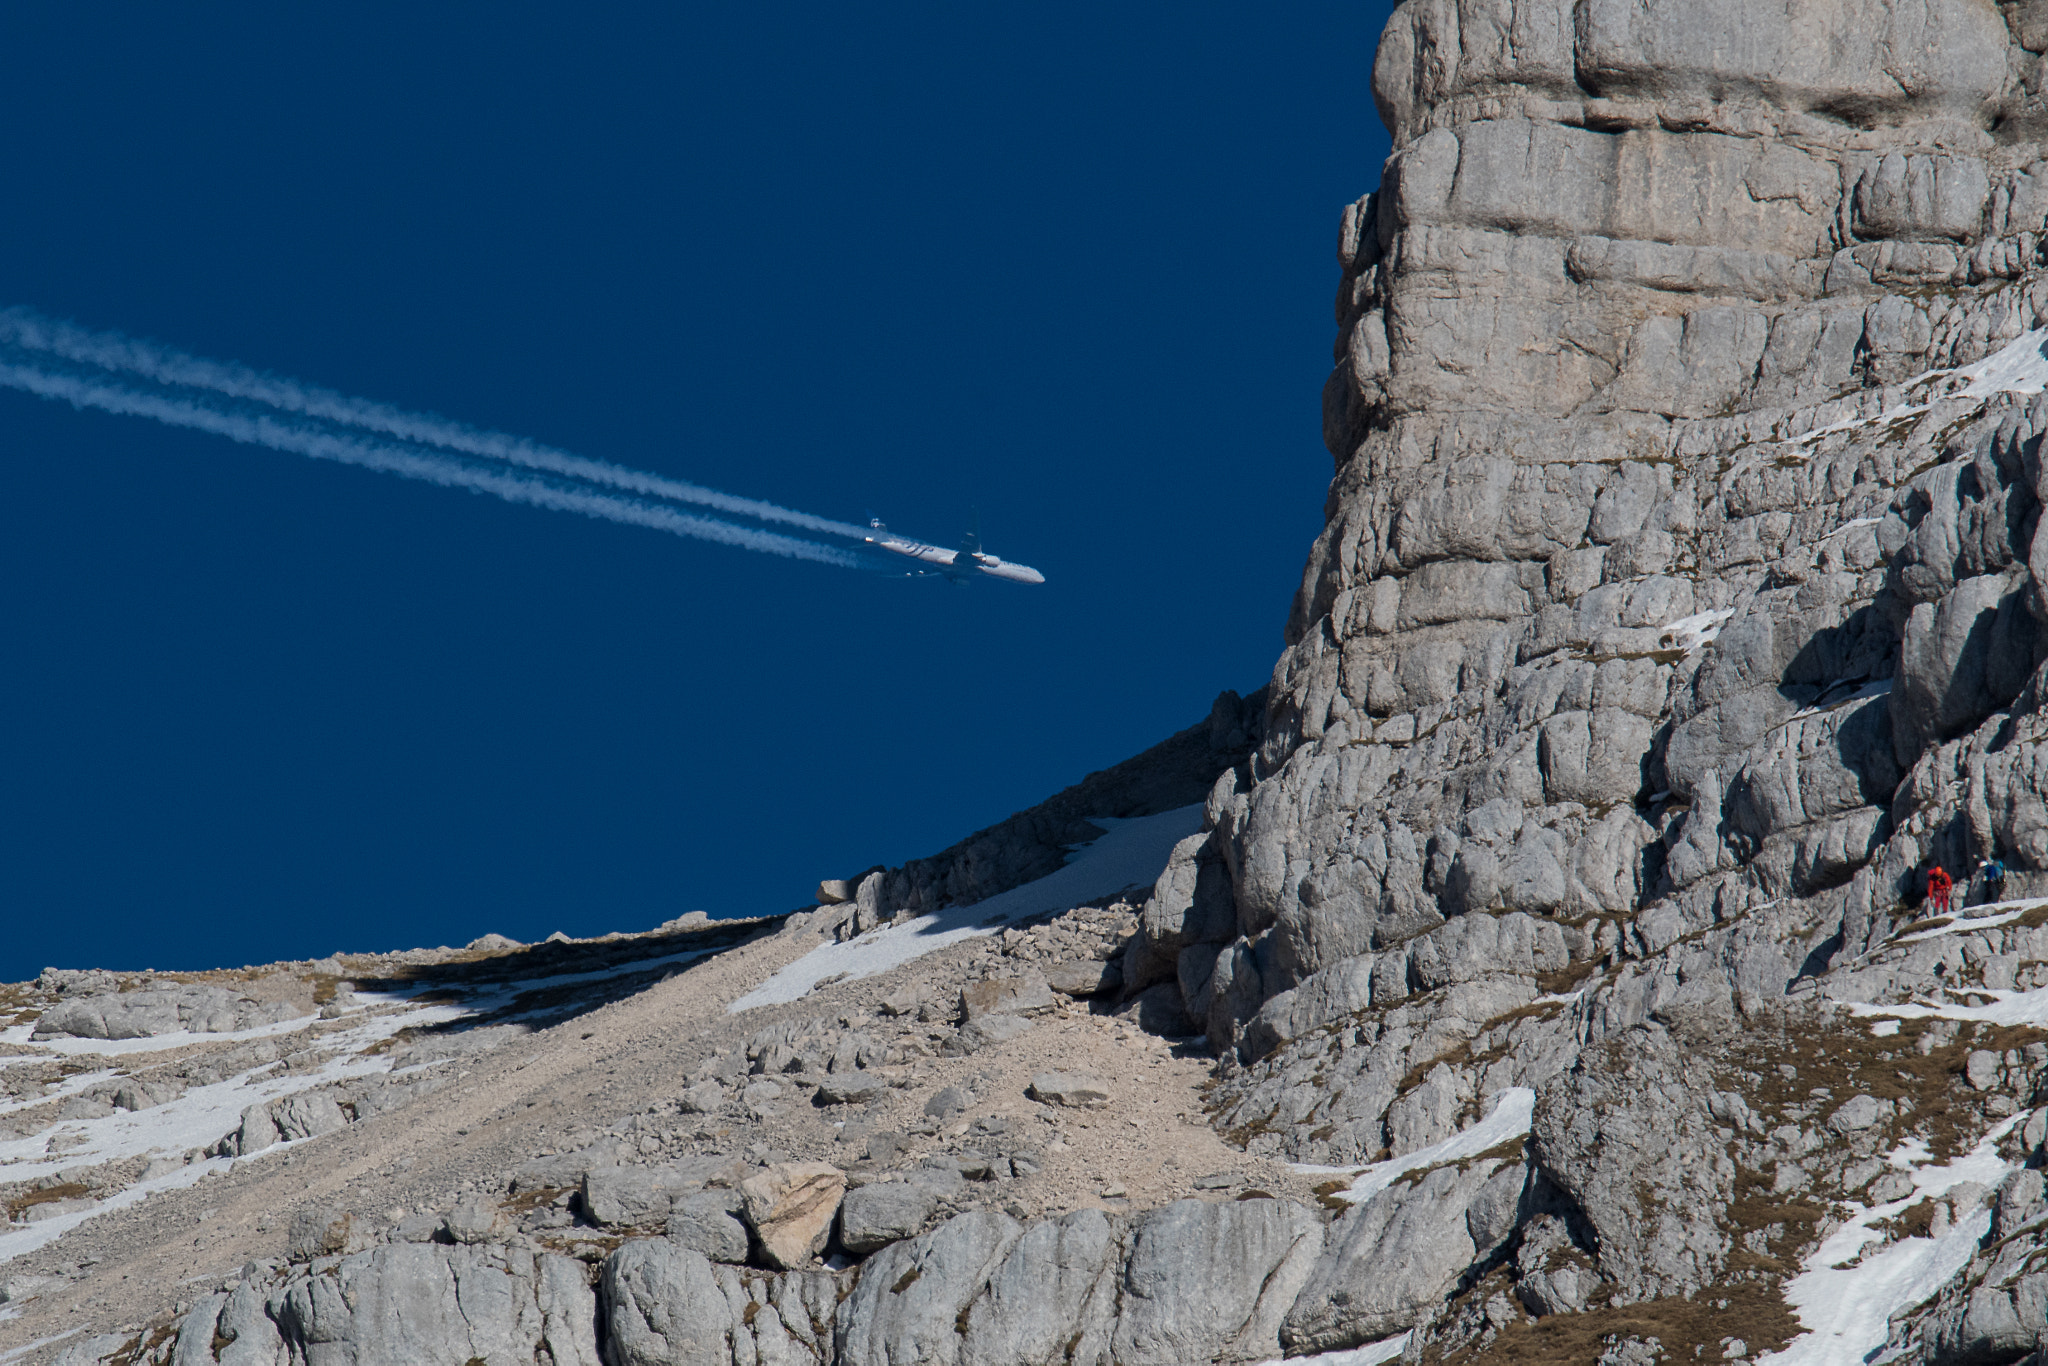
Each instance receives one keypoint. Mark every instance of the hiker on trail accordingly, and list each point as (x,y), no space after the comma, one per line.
(1992,871)
(1939,884)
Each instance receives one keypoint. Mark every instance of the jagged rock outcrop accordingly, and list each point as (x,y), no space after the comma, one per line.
(1191,1281)
(1175,772)
(198,1008)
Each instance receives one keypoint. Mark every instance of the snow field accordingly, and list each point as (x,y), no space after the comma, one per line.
(1371,1354)
(1846,1300)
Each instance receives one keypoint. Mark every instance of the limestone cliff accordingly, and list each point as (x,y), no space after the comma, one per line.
(1630,604)
(1679,601)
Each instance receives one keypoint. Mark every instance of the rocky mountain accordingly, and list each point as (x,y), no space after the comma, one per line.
(1540,969)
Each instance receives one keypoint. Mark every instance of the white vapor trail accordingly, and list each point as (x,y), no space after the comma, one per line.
(112,351)
(411,462)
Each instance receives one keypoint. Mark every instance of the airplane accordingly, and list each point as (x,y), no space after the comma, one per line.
(956,566)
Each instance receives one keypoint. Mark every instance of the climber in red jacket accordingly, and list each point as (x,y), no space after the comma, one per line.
(1939,886)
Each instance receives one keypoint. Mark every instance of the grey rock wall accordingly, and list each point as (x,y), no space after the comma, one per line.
(1603,624)
(1192,1281)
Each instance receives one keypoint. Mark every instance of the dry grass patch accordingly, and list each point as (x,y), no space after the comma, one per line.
(1754,1313)
(48,1195)
(527,1201)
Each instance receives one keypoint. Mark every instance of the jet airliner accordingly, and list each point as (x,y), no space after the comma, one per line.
(958,566)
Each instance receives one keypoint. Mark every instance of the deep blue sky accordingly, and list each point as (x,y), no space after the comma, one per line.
(1071,264)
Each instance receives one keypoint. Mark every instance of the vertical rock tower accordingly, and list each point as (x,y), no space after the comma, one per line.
(1671,571)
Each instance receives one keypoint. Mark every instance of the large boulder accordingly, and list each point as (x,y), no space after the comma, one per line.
(1024,994)
(882,1213)
(419,1303)
(666,1305)
(790,1207)
(1209,1282)
(1392,1259)
(640,1197)
(1053,1298)
(907,1309)
(1626,1132)
(709,1221)
(1073,1090)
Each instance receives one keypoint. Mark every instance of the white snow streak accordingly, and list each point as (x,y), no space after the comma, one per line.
(1133,852)
(64,1044)
(1862,694)
(2019,367)
(1988,916)
(22,1351)
(1693,632)
(1371,1354)
(1845,1303)
(1514,1108)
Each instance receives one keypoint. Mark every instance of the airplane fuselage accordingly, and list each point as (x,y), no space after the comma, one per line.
(957,564)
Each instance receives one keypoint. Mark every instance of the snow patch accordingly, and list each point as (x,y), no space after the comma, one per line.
(1132,853)
(1846,1300)
(2004,1008)
(2019,367)
(1371,1354)
(1693,632)
(199,1117)
(1514,1108)
(1988,916)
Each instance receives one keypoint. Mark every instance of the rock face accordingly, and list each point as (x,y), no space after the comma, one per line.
(1681,599)
(141,1014)
(1663,593)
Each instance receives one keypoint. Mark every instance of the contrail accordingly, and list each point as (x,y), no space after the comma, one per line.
(411,462)
(112,351)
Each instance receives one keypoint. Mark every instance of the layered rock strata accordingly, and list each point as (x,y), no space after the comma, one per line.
(1678,602)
